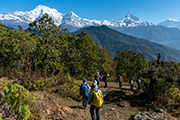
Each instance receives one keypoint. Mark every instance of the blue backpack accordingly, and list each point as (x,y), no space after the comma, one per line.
(84,91)
(118,77)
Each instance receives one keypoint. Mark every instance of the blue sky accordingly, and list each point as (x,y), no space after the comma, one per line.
(154,11)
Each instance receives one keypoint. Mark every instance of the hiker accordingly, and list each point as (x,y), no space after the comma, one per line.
(120,80)
(105,80)
(95,81)
(96,100)
(131,81)
(97,78)
(84,91)
(158,60)
(139,83)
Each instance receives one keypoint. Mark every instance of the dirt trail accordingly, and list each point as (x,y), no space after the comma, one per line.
(118,104)
(111,110)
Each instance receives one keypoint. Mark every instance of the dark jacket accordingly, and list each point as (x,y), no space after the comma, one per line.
(105,78)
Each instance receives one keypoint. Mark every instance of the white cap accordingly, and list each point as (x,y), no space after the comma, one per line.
(95,81)
(108,75)
(94,86)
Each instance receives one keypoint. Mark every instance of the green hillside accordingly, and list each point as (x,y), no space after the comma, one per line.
(114,41)
(53,49)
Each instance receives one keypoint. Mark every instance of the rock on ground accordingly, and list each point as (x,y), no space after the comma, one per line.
(152,116)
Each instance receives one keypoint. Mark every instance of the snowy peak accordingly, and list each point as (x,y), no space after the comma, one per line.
(130,17)
(40,9)
(169,19)
(71,14)
(30,16)
(133,21)
(172,23)
(71,17)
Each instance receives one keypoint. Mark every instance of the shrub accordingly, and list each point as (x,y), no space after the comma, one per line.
(71,87)
(18,98)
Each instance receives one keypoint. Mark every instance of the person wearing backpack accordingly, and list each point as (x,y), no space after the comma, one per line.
(95,81)
(84,91)
(120,80)
(96,100)
(97,78)
(139,83)
(105,80)
(131,81)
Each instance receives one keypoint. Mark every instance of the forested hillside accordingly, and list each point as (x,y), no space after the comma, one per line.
(53,49)
(114,41)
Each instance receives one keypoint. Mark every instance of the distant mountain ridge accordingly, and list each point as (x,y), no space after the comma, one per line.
(71,20)
(114,41)
(130,24)
(171,23)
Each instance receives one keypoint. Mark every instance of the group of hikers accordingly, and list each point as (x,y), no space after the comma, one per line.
(93,96)
(131,81)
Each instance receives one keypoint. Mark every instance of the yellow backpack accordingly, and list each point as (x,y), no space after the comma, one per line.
(97,100)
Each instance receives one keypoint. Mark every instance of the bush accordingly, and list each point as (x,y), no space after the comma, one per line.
(162,89)
(18,98)
(71,87)
(40,80)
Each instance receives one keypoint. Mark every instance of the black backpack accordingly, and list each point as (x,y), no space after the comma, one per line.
(104,78)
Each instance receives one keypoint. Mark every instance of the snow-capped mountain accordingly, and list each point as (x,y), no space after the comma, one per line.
(171,23)
(130,24)
(24,18)
(70,21)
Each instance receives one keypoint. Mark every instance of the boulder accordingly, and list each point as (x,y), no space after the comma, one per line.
(152,116)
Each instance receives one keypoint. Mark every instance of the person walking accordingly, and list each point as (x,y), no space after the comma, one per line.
(131,81)
(96,100)
(105,80)
(95,81)
(84,91)
(97,78)
(120,80)
(139,83)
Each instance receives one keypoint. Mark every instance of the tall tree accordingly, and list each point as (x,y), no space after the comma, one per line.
(130,63)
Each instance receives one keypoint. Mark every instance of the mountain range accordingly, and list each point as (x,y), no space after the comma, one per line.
(114,41)
(70,20)
(166,32)
(171,23)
